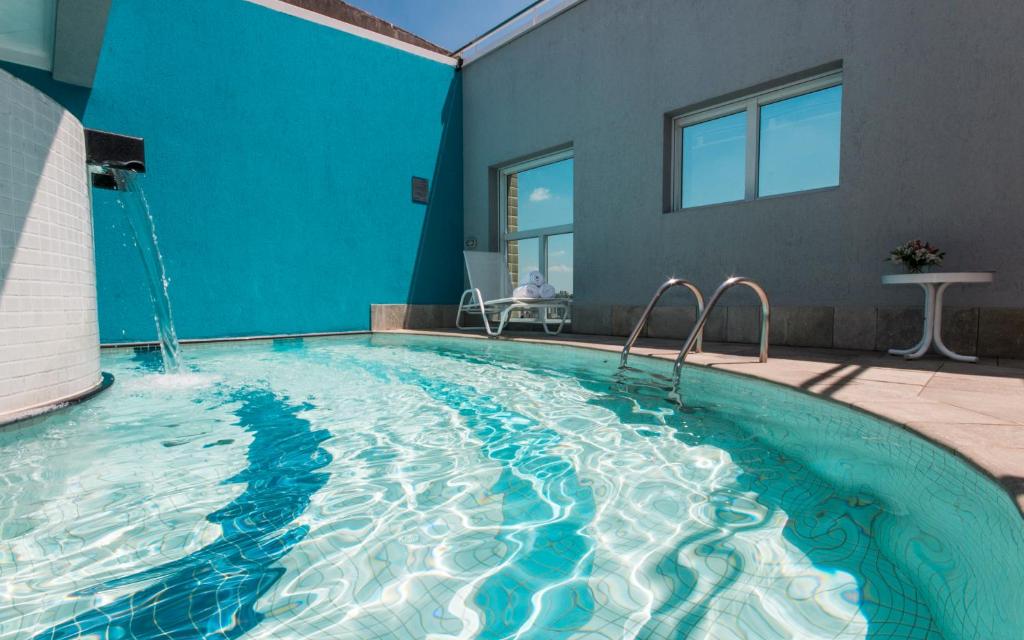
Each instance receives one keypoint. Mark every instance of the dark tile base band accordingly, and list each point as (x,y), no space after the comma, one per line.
(106,380)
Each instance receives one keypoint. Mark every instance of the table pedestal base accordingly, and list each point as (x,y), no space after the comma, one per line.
(932,327)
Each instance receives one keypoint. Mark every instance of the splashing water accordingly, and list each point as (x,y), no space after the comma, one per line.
(132,200)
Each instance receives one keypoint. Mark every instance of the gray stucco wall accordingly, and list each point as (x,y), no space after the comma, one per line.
(932,144)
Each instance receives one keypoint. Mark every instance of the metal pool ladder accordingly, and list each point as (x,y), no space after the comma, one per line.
(698,338)
(698,328)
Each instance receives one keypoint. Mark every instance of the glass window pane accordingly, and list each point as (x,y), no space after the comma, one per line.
(799,147)
(540,197)
(560,263)
(714,160)
(523,257)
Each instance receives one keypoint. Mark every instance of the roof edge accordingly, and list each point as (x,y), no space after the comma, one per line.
(341,16)
(341,10)
(514,27)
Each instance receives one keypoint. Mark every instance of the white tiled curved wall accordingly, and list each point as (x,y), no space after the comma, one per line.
(49,339)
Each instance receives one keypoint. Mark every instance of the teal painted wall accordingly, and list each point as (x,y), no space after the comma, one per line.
(279,160)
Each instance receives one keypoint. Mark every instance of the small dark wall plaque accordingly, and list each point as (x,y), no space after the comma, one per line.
(420,190)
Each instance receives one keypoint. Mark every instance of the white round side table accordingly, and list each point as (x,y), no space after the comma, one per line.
(934,285)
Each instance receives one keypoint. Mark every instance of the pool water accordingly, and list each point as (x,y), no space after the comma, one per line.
(400,487)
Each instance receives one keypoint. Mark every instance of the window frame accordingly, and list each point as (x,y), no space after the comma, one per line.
(751,104)
(542,233)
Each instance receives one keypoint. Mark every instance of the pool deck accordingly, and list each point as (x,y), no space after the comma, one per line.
(974,410)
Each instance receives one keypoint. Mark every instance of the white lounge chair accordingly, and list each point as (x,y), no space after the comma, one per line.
(490,293)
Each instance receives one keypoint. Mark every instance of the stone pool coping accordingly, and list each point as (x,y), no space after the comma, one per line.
(975,411)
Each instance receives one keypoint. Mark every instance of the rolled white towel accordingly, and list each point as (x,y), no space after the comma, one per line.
(547,290)
(526,291)
(535,278)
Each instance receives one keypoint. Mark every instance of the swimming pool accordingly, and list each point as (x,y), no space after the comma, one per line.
(409,487)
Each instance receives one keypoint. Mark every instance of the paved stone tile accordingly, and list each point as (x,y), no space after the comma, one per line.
(809,368)
(715,327)
(915,377)
(854,328)
(964,371)
(988,385)
(423,316)
(1001,332)
(960,329)
(1003,406)
(742,324)
(448,313)
(672,322)
(898,327)
(804,326)
(913,411)
(865,392)
(592,318)
(624,319)
(997,436)
(819,372)
(874,359)
(387,317)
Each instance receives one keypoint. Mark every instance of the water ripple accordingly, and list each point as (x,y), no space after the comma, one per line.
(211,593)
(395,488)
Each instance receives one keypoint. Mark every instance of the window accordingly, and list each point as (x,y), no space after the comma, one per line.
(715,160)
(536,203)
(799,145)
(774,142)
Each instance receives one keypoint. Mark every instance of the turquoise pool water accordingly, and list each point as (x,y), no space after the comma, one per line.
(398,487)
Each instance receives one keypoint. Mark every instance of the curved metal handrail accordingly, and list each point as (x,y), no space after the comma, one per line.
(671,282)
(702,320)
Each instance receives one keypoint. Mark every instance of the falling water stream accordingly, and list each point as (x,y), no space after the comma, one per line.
(133,200)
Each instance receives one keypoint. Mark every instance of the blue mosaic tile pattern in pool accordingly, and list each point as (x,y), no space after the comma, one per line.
(395,487)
